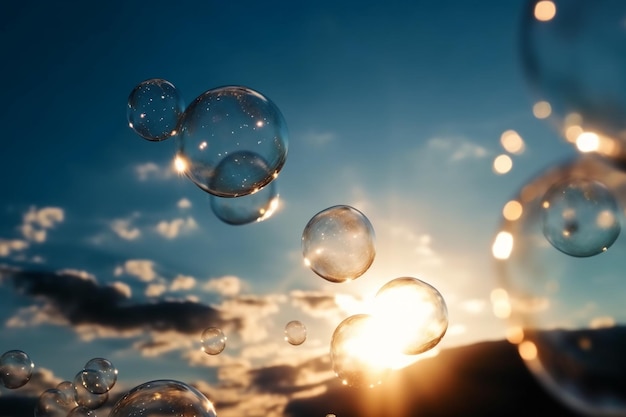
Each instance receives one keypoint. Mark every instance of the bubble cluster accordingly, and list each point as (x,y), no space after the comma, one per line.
(51,403)
(163,398)
(213,341)
(295,332)
(99,375)
(154,109)
(338,244)
(81,411)
(246,209)
(16,369)
(83,396)
(232,142)
(580,217)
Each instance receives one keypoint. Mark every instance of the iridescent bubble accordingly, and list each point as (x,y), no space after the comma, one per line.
(154,109)
(246,209)
(232,141)
(338,244)
(295,332)
(580,217)
(99,375)
(574,56)
(51,403)
(213,341)
(358,351)
(566,314)
(82,411)
(83,396)
(16,368)
(414,314)
(163,398)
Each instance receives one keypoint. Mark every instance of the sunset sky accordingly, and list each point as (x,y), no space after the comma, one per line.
(395,108)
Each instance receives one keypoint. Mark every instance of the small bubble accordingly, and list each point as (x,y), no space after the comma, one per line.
(16,368)
(295,332)
(99,375)
(213,341)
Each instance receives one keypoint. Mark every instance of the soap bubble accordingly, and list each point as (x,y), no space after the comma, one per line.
(338,244)
(295,332)
(414,314)
(51,403)
(213,341)
(358,351)
(575,60)
(81,411)
(232,141)
(580,217)
(16,368)
(154,109)
(566,313)
(99,375)
(83,396)
(163,398)
(246,209)
(67,394)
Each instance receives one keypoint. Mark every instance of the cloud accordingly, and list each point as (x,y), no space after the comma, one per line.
(14,245)
(319,138)
(140,268)
(172,229)
(317,304)
(228,285)
(122,288)
(124,229)
(183,203)
(183,282)
(252,312)
(155,290)
(458,149)
(150,170)
(35,222)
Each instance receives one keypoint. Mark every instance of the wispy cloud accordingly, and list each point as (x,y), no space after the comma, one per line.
(124,229)
(173,228)
(183,203)
(140,268)
(228,286)
(183,282)
(36,222)
(13,245)
(458,149)
(150,170)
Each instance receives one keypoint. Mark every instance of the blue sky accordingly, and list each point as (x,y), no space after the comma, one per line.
(395,108)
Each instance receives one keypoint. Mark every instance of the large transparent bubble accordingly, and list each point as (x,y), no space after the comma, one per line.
(232,141)
(16,369)
(246,209)
(414,314)
(338,244)
(574,56)
(163,398)
(566,313)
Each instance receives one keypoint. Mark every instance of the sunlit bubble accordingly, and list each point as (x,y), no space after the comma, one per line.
(542,110)
(99,375)
(512,210)
(295,332)
(84,397)
(512,142)
(227,152)
(16,368)
(338,244)
(553,302)
(413,313)
(213,341)
(154,109)
(249,208)
(502,164)
(358,352)
(82,411)
(565,66)
(51,403)
(163,398)
(580,217)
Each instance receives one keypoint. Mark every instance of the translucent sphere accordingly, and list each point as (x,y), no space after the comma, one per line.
(51,403)
(16,368)
(246,209)
(83,396)
(338,244)
(67,394)
(81,411)
(574,56)
(154,109)
(163,398)
(358,351)
(580,217)
(566,313)
(414,314)
(99,375)
(213,341)
(232,141)
(295,332)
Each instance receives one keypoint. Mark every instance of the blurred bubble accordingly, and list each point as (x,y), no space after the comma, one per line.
(163,398)
(213,341)
(338,244)
(16,368)
(358,351)
(232,141)
(295,332)
(83,396)
(99,375)
(51,403)
(82,411)
(154,109)
(246,209)
(580,217)
(413,313)
(574,57)
(567,313)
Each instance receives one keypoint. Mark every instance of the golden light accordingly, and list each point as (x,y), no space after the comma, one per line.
(500,303)
(512,142)
(515,335)
(542,110)
(502,245)
(573,132)
(502,164)
(266,213)
(605,219)
(527,350)
(512,210)
(587,142)
(545,10)
(180,165)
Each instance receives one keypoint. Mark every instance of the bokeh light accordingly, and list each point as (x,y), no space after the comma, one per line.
(545,10)
(542,110)
(502,164)
(512,210)
(512,142)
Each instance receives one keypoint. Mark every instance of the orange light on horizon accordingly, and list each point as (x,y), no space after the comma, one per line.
(545,10)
